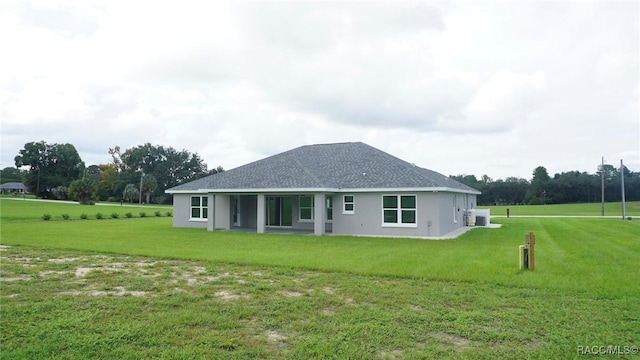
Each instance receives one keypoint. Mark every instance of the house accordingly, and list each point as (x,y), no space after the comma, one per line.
(13,188)
(344,188)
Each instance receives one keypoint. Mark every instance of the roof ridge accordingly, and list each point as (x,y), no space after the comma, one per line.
(308,171)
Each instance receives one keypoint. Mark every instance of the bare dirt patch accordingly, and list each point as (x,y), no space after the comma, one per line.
(80,272)
(53,272)
(273,336)
(292,293)
(64,260)
(328,290)
(393,354)
(16,278)
(227,295)
(117,291)
(455,340)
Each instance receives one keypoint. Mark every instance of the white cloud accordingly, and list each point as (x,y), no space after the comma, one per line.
(493,88)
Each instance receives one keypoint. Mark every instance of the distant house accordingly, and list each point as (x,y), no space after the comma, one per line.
(345,188)
(13,188)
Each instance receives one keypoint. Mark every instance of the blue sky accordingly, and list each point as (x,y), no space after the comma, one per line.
(494,87)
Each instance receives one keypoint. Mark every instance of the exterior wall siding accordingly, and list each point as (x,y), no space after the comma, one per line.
(367,216)
(182,212)
(222,212)
(435,214)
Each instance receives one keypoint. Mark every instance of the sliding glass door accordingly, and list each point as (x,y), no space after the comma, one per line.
(279,211)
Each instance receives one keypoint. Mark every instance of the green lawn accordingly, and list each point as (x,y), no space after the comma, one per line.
(155,291)
(589,209)
(12,209)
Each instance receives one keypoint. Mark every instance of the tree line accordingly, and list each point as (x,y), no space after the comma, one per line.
(562,188)
(142,174)
(137,174)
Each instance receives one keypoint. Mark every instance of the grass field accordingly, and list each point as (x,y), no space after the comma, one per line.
(588,209)
(138,288)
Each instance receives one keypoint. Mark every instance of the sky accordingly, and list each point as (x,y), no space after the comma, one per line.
(491,87)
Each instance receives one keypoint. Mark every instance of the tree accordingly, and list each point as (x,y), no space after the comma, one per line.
(130,193)
(107,182)
(10,174)
(83,190)
(149,185)
(469,180)
(94,172)
(168,166)
(50,165)
(539,184)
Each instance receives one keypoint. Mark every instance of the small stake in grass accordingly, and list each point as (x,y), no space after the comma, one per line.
(527,252)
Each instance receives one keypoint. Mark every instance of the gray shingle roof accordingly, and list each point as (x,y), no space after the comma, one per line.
(13,186)
(342,166)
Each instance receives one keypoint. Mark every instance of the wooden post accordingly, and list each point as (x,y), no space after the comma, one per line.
(531,242)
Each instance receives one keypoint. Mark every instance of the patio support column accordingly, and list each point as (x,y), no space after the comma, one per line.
(319,206)
(223,212)
(261,214)
(211,212)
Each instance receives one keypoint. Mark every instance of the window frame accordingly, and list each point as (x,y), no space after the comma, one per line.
(399,211)
(345,203)
(310,208)
(203,207)
(455,209)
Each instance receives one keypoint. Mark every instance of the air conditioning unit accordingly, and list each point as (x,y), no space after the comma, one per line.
(471,217)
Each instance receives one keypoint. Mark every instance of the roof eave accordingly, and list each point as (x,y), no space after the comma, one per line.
(324,190)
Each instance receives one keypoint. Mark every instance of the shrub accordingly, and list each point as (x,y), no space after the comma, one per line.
(169,213)
(59,193)
(84,190)
(115,215)
(112,199)
(84,216)
(46,217)
(142,214)
(66,216)
(130,193)
(158,213)
(98,216)
(128,215)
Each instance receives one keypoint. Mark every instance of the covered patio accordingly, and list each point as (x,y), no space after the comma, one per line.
(282,213)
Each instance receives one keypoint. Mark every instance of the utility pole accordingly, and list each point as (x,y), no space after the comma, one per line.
(624,210)
(602,181)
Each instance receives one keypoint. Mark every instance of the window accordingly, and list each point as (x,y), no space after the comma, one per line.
(199,207)
(348,204)
(399,210)
(329,208)
(306,207)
